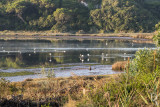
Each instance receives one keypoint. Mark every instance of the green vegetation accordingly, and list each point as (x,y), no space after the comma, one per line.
(50,73)
(11,63)
(11,74)
(146,60)
(91,16)
(156,38)
(139,86)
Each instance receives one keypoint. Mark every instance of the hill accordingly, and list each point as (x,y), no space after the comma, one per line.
(91,16)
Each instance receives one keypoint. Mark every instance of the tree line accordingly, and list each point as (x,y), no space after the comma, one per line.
(91,16)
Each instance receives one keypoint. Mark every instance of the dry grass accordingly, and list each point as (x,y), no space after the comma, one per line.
(62,91)
(119,66)
(144,35)
(48,35)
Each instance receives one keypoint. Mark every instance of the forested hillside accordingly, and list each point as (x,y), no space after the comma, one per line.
(90,16)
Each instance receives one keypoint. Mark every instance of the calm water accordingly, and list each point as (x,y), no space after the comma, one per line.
(66,57)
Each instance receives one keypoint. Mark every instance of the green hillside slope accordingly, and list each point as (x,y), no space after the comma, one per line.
(91,16)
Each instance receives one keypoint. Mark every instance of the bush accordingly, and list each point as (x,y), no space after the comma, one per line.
(145,61)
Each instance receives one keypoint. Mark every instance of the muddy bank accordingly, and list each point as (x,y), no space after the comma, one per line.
(22,35)
(63,72)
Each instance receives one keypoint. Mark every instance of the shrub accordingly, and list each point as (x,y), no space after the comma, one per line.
(120,66)
(145,60)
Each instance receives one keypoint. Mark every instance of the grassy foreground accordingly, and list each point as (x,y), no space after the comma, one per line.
(51,91)
(90,91)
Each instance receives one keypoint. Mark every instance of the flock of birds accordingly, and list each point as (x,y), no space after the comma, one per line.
(103,56)
(81,56)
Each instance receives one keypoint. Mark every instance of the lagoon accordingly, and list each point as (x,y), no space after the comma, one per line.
(67,57)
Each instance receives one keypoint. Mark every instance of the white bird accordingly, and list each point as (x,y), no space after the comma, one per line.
(82,60)
(132,44)
(106,59)
(102,54)
(88,55)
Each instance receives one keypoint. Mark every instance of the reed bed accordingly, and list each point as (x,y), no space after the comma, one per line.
(119,66)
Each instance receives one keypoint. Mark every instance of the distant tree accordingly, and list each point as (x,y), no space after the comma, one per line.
(63,15)
(63,18)
(43,23)
(123,16)
(17,8)
(72,15)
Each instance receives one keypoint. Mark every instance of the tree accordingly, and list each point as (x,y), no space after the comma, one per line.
(72,15)
(43,23)
(17,8)
(63,18)
(123,16)
(63,15)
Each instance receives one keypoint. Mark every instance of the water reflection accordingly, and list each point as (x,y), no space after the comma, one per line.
(21,54)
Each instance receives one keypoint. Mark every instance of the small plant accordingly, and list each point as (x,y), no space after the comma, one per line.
(46,105)
(50,73)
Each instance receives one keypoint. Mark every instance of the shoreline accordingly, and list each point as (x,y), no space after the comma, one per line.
(69,78)
(73,71)
(23,35)
(76,76)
